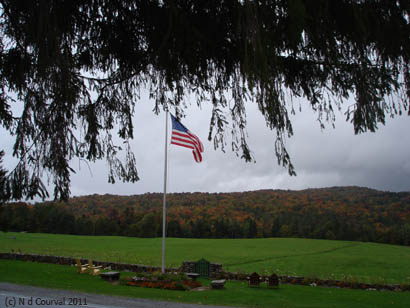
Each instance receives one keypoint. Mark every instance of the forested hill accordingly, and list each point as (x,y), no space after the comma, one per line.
(346,213)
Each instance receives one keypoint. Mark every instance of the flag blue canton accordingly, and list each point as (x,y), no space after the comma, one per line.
(181,136)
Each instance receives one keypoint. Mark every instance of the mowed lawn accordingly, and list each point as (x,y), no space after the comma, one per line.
(367,262)
(236,293)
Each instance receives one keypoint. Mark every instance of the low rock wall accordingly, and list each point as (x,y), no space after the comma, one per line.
(72,261)
(314,282)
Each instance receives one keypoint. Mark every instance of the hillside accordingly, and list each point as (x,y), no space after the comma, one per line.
(345,213)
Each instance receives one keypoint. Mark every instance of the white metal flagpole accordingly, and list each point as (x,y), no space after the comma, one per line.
(164,202)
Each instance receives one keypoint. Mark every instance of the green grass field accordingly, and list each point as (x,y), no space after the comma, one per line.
(366,262)
(236,293)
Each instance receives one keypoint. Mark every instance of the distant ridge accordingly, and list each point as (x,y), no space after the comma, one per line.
(344,213)
(332,188)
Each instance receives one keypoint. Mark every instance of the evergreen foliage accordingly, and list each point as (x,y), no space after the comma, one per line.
(3,180)
(54,54)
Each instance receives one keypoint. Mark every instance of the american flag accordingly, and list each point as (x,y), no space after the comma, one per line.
(183,137)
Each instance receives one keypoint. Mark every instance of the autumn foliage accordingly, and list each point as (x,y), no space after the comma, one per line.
(343,213)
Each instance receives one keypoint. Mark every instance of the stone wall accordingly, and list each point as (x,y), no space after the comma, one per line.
(188,266)
(315,282)
(215,268)
(72,261)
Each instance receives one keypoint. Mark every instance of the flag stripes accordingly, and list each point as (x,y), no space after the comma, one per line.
(181,136)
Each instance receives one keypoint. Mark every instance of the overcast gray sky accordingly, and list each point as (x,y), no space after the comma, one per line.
(322,158)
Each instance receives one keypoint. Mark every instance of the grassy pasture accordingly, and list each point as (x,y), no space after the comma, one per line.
(367,262)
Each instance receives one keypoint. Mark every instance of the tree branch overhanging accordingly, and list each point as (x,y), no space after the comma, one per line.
(52,53)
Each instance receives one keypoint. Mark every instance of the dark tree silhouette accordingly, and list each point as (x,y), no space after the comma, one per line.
(4,193)
(55,53)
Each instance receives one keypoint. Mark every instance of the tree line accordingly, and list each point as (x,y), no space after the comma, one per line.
(356,214)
